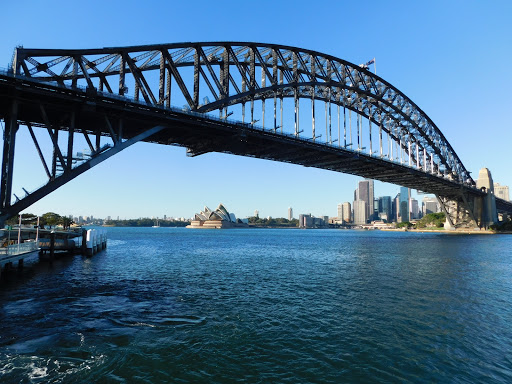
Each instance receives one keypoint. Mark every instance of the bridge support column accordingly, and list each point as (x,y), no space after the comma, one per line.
(489,212)
(11,127)
(461,211)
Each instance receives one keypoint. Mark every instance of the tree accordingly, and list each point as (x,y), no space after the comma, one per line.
(432,220)
(51,219)
(26,218)
(66,222)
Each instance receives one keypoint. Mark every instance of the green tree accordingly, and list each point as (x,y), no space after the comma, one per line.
(66,222)
(50,218)
(26,218)
(432,220)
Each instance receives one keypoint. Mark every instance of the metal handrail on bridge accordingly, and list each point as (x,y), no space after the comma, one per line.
(8,72)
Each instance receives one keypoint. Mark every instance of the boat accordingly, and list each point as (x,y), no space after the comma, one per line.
(157,225)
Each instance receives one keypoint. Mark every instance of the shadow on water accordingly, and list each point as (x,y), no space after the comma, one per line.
(36,267)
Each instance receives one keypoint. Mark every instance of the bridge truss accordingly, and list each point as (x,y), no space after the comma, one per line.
(275,102)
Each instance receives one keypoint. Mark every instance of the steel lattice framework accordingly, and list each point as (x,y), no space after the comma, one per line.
(229,71)
(111,98)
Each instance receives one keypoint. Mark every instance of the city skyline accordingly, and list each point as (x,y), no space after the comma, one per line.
(148,179)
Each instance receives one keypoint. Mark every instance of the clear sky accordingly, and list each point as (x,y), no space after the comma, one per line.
(451,58)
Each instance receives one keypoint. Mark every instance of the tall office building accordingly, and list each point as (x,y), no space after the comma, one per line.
(501,191)
(365,193)
(340,212)
(347,212)
(394,207)
(290,213)
(403,205)
(360,212)
(429,205)
(385,208)
(371,199)
(414,210)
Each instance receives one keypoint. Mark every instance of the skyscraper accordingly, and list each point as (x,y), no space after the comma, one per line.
(385,208)
(403,206)
(290,213)
(347,212)
(364,192)
(414,211)
(371,209)
(360,212)
(430,205)
(340,211)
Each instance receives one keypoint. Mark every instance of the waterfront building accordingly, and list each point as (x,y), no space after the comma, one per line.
(290,213)
(220,218)
(346,212)
(360,212)
(429,205)
(501,191)
(340,212)
(310,221)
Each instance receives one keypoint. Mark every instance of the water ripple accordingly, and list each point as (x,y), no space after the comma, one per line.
(259,306)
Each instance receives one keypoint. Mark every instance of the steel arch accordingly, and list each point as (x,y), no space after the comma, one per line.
(227,70)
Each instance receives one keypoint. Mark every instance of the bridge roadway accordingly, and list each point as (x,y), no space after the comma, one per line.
(201,133)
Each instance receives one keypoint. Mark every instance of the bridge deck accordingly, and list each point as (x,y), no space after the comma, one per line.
(202,133)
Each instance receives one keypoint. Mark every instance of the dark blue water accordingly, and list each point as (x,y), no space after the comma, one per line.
(264,306)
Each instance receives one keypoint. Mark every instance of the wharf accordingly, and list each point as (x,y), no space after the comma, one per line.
(18,245)
(10,236)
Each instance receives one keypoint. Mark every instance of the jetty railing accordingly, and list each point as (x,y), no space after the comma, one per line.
(17,249)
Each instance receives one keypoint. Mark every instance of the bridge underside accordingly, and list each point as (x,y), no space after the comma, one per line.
(66,110)
(201,134)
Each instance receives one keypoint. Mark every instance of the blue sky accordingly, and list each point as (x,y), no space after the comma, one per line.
(452,58)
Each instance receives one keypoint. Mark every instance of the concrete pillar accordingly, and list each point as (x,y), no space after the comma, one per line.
(489,212)
(89,243)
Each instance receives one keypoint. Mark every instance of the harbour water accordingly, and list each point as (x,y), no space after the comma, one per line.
(264,306)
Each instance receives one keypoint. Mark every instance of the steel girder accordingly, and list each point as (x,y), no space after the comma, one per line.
(228,72)
(99,118)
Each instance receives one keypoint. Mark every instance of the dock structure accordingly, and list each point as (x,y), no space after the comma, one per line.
(29,243)
(16,254)
(96,241)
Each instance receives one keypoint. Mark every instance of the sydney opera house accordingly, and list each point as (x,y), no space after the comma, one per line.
(220,218)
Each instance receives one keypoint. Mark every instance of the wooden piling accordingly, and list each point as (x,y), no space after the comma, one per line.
(52,246)
(84,241)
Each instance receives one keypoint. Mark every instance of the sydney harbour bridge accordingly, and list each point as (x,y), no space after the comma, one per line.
(265,101)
